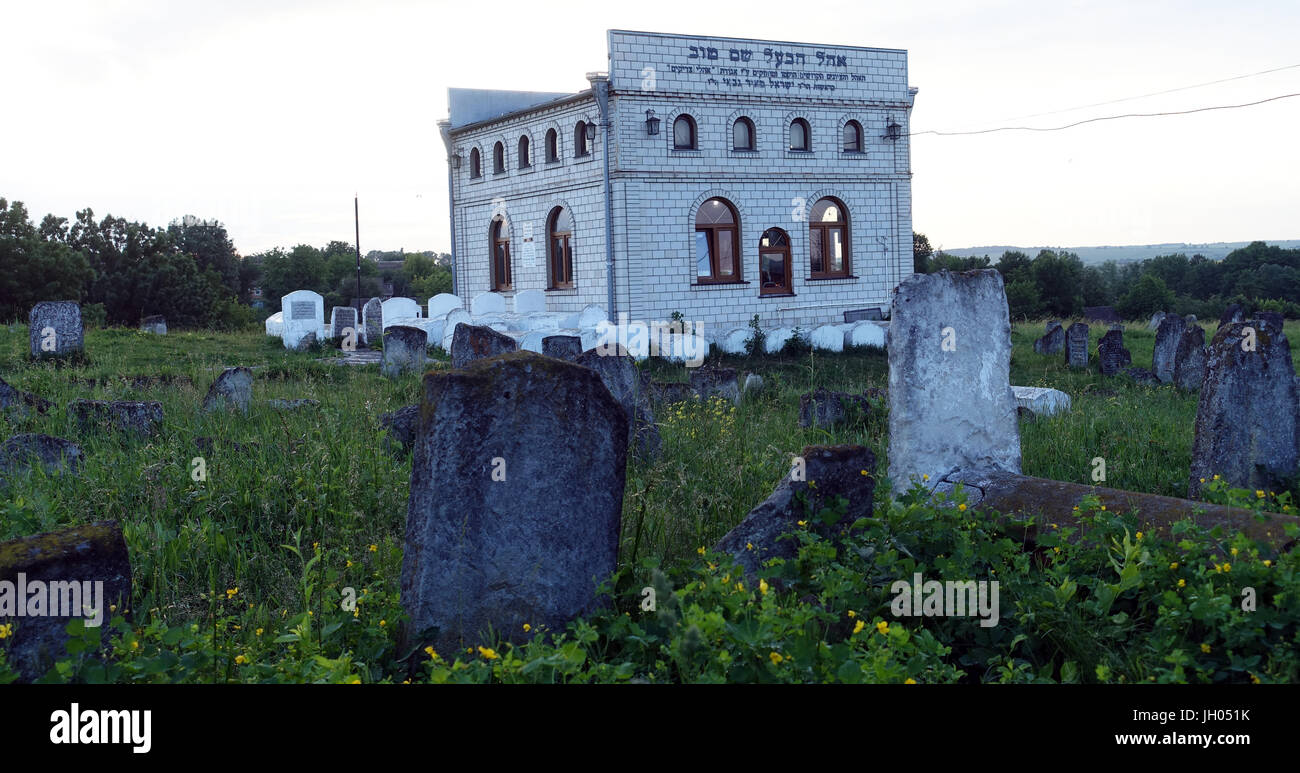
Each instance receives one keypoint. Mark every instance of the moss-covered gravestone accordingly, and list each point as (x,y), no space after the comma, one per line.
(55,330)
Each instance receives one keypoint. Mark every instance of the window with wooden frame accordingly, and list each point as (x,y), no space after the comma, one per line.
(852,137)
(828,240)
(774,263)
(498,158)
(559,240)
(552,146)
(500,245)
(580,145)
(800,135)
(475,164)
(684,133)
(742,134)
(525,159)
(717,242)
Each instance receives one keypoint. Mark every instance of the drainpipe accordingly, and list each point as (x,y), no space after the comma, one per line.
(600,88)
(444,128)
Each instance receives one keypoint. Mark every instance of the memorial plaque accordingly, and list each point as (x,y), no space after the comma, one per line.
(302,310)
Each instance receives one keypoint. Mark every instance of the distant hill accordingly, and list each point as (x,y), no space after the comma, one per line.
(1125,253)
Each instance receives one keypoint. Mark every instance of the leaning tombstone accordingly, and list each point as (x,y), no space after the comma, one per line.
(1168,335)
(1112,357)
(950,400)
(1053,341)
(710,381)
(515,502)
(55,330)
(824,408)
(474,342)
(232,390)
(405,350)
(619,374)
(83,572)
(1156,319)
(1076,345)
(1189,359)
(1246,425)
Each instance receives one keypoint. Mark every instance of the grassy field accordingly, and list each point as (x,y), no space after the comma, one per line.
(321,480)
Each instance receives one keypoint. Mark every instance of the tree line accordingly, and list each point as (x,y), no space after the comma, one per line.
(1058,284)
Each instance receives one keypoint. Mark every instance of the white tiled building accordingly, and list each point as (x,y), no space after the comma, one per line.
(778,183)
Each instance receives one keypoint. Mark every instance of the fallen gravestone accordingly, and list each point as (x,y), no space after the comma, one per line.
(400,426)
(950,399)
(155,324)
(1041,400)
(372,321)
(1111,354)
(474,342)
(405,351)
(619,374)
(709,381)
(15,403)
(233,390)
(55,455)
(1189,359)
(1246,429)
(1168,335)
(827,472)
(55,331)
(141,419)
(1076,345)
(83,572)
(516,499)
(824,408)
(1053,341)
(562,347)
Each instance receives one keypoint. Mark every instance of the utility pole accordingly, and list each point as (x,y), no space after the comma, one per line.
(356,212)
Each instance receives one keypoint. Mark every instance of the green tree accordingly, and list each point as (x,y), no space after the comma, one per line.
(921,252)
(1058,277)
(1149,295)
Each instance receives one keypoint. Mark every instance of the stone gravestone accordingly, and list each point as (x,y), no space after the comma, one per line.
(1189,358)
(562,347)
(1234,313)
(140,419)
(397,309)
(619,374)
(442,303)
(21,453)
(405,350)
(1076,345)
(304,314)
(709,381)
(516,498)
(154,324)
(1053,341)
(530,301)
(474,342)
(1168,335)
(1112,357)
(401,425)
(950,400)
(824,408)
(233,389)
(1246,426)
(455,318)
(54,330)
(83,571)
(372,321)
(488,303)
(15,403)
(342,317)
(1156,319)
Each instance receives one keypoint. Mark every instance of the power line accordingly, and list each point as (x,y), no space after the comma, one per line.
(1105,118)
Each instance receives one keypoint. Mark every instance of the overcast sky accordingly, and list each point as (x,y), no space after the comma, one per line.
(269,114)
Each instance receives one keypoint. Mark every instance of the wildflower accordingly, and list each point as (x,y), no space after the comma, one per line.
(1259,494)
(882,626)
(112,607)
(1202,480)
(1267,562)
(1054,526)
(230,593)
(315,546)
(135,645)
(712,566)
(857,628)
(700,550)
(240,660)
(1174,565)
(1182,583)
(433,655)
(383,623)
(852,613)
(776,658)
(6,631)
(1205,648)
(812,483)
(374,548)
(762,587)
(1233,551)
(1227,567)
(925,477)
(259,631)
(1216,477)
(740,586)
(1218,568)
(962,507)
(488,653)
(1103,507)
(1139,535)
(1056,550)
(1254,679)
(802,523)
(749,546)
(862,472)
(1076,508)
(909,680)
(355,680)
(349,563)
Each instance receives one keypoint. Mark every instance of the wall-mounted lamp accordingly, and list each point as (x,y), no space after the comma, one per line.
(455,160)
(591,131)
(893,131)
(651,123)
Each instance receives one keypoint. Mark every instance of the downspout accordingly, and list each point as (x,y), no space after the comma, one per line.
(444,128)
(600,88)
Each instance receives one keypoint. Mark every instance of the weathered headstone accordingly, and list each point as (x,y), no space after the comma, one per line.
(342,318)
(454,319)
(400,426)
(516,499)
(155,324)
(1111,354)
(15,403)
(141,419)
(950,400)
(827,472)
(304,314)
(824,408)
(372,321)
(709,381)
(530,301)
(1156,319)
(1168,335)
(1234,313)
(753,385)
(1076,345)
(474,342)
(20,453)
(397,309)
(1053,341)
(80,572)
(488,303)
(405,351)
(233,389)
(562,347)
(1042,401)
(1189,358)
(619,374)
(442,303)
(305,343)
(1246,426)
(54,330)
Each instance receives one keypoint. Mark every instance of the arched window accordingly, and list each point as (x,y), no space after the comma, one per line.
(524,160)
(717,242)
(581,147)
(552,146)
(500,238)
(774,263)
(828,239)
(684,133)
(800,135)
(559,240)
(852,137)
(742,134)
(475,164)
(498,158)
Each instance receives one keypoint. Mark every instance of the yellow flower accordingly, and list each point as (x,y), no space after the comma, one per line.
(882,626)
(1103,507)
(1233,551)
(802,523)
(1202,480)
(749,546)
(909,680)
(712,566)
(135,645)
(259,631)
(1056,550)
(812,483)
(857,628)
(6,631)
(862,472)
(1267,562)
(1139,535)
(925,477)
(488,653)
(1076,508)
(349,563)
(1174,565)
(962,507)
(740,586)
(852,613)
(240,660)
(374,548)
(315,546)
(1205,648)
(383,623)
(1216,477)
(1227,567)
(1259,494)
(433,655)
(355,680)
(230,593)
(762,587)
(1254,679)
(700,550)
(776,658)
(1182,583)
(1054,526)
